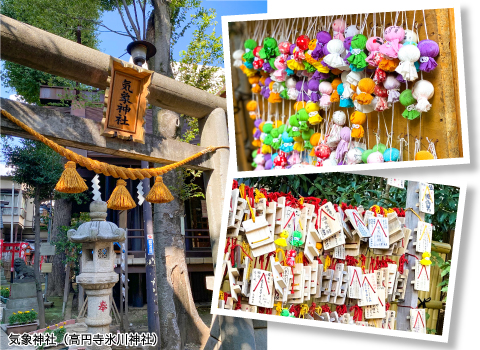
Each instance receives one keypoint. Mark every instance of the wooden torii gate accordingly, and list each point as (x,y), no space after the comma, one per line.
(41,50)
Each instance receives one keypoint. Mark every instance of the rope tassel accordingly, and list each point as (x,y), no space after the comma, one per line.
(159,193)
(71,181)
(121,198)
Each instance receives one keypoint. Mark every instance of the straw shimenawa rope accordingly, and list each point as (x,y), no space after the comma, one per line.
(104,168)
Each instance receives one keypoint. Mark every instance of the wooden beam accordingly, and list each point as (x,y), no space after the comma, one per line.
(441,247)
(71,131)
(44,51)
(411,222)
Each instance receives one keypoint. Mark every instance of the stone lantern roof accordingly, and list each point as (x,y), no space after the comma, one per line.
(98,229)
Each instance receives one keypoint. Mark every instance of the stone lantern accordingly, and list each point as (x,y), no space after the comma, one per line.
(98,259)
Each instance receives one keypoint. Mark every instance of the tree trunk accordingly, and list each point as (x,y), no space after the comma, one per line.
(179,320)
(61,217)
(36,265)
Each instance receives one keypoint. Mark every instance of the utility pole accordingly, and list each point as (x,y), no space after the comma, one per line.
(150,268)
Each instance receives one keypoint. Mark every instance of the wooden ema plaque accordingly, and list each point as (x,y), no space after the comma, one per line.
(126,101)
(261,288)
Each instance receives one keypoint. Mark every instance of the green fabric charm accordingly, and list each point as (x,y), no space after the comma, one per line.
(358,56)
(306,135)
(277,140)
(293,130)
(296,240)
(406,98)
(249,45)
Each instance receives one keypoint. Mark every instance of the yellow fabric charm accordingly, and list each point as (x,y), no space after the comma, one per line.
(278,308)
(366,86)
(426,259)
(424,155)
(315,139)
(299,105)
(282,241)
(389,65)
(266,149)
(121,198)
(357,131)
(358,117)
(335,83)
(256,143)
(71,181)
(295,65)
(328,261)
(274,97)
(159,193)
(298,146)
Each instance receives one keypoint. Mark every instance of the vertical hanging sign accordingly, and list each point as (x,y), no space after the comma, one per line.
(126,101)
(427,199)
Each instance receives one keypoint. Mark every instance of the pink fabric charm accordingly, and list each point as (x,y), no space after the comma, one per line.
(391,48)
(382,104)
(393,36)
(379,76)
(374,58)
(338,27)
(284,47)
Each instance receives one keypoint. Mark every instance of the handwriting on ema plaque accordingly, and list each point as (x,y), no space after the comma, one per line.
(261,288)
(378,228)
(427,198)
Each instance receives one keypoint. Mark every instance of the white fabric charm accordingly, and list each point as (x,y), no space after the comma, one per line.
(237,56)
(422,91)
(408,55)
(347,91)
(333,59)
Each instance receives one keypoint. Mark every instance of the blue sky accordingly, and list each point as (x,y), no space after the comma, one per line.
(115,45)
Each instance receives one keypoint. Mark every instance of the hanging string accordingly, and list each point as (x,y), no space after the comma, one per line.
(408,142)
(431,148)
(425,24)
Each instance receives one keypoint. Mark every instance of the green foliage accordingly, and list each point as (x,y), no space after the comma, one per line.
(5,292)
(34,165)
(198,65)
(60,17)
(445,217)
(59,334)
(185,185)
(444,272)
(338,188)
(64,245)
(429,330)
(22,317)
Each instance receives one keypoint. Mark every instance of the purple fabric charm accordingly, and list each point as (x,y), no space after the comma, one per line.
(267,67)
(342,147)
(428,50)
